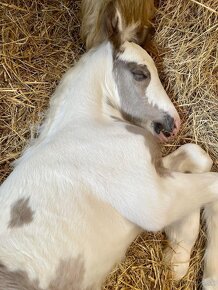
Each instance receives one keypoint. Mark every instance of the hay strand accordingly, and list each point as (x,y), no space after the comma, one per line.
(203,5)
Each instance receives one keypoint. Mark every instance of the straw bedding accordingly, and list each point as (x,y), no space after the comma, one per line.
(40,40)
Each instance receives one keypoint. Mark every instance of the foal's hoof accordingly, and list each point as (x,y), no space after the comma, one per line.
(179,270)
(178,259)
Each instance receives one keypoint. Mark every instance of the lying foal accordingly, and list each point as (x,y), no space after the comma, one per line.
(93,179)
(134,18)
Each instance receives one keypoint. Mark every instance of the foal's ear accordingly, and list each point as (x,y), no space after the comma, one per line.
(112,23)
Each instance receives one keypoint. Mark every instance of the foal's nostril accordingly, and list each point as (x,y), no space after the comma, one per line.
(166,134)
(169,124)
(158,127)
(166,127)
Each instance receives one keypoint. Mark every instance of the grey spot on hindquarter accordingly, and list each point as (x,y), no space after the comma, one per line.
(21,213)
(16,280)
(69,276)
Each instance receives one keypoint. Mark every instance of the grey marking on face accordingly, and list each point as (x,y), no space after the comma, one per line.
(132,80)
(127,118)
(21,213)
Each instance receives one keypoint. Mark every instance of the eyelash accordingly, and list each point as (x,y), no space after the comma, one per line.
(139,75)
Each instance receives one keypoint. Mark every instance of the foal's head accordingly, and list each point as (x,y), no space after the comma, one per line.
(141,96)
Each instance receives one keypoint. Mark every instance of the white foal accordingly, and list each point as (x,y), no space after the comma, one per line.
(93,179)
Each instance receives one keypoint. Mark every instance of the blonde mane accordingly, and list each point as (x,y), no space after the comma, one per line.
(136,19)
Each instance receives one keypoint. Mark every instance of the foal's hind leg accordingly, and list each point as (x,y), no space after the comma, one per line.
(183,234)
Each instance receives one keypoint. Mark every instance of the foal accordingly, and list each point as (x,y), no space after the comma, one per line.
(134,18)
(93,179)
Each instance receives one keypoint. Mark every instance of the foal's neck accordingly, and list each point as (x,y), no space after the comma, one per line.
(82,92)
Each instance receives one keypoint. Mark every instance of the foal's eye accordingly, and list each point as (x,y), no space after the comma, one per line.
(139,75)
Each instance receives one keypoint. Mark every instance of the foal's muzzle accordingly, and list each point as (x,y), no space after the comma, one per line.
(167,128)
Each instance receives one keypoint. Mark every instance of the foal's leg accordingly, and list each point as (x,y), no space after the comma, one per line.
(183,234)
(154,201)
(210,281)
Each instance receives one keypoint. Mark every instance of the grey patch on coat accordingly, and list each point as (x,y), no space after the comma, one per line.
(16,280)
(21,213)
(69,276)
(132,81)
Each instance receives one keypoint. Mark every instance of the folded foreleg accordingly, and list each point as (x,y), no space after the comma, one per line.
(182,235)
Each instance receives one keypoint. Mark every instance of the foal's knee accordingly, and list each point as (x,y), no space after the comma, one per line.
(189,158)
